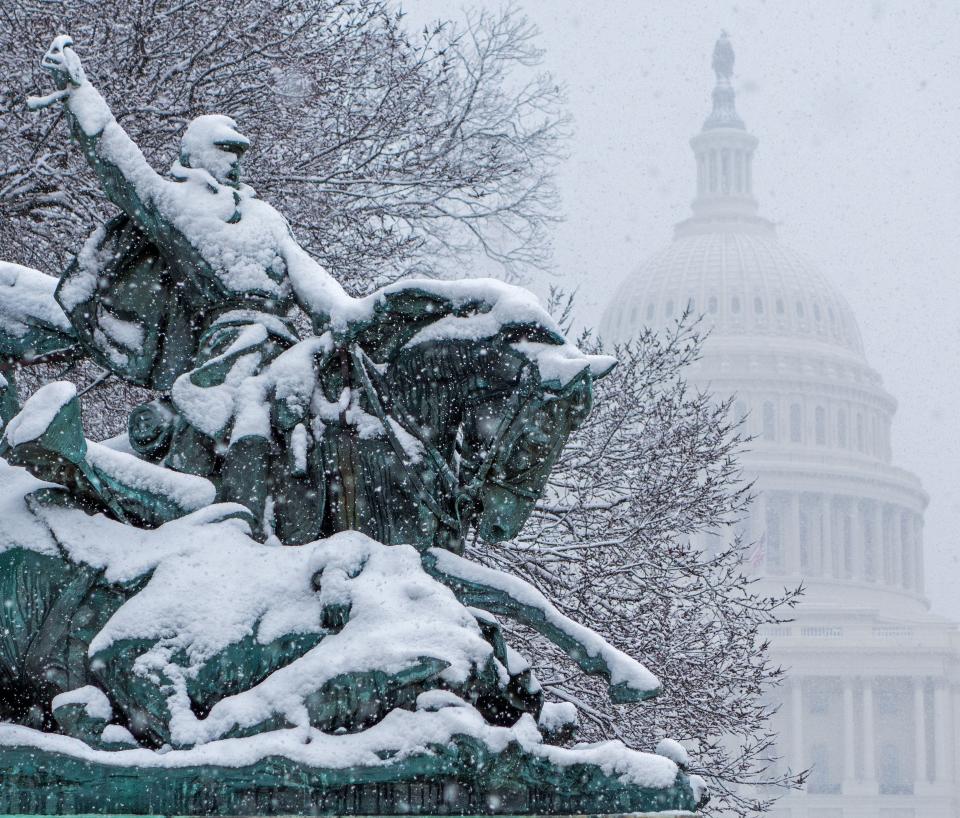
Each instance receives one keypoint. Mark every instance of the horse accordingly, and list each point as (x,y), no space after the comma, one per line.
(396,430)
(403,433)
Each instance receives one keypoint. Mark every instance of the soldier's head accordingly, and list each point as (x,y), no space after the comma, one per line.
(212,142)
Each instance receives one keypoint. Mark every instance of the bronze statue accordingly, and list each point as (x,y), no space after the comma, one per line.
(376,442)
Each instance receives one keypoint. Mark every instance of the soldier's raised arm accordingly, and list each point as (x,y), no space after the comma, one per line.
(124,173)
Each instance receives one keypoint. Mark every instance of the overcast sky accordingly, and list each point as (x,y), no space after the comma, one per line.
(857,109)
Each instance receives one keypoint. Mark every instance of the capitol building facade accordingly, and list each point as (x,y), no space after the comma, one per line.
(872,697)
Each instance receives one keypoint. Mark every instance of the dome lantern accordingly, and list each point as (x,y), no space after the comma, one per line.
(724,155)
(727,262)
(724,113)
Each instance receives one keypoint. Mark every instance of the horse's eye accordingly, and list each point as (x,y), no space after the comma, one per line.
(538,437)
(520,463)
(487,425)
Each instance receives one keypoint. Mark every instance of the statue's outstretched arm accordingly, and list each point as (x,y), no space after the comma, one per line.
(123,171)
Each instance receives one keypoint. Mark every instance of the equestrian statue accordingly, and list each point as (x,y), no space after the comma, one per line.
(256,601)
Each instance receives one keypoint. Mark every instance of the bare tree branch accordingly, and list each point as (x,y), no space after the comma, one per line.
(391,152)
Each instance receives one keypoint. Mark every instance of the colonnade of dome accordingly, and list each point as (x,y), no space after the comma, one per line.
(833,506)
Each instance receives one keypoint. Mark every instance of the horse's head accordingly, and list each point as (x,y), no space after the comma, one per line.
(513,437)
(485,381)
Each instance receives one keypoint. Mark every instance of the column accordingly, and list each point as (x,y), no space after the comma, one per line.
(849,740)
(886,544)
(953,692)
(817,553)
(856,539)
(943,728)
(906,549)
(896,549)
(832,542)
(758,535)
(791,530)
(920,581)
(796,761)
(879,550)
(919,737)
(869,738)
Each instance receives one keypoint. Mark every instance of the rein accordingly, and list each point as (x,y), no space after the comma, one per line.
(360,358)
(520,399)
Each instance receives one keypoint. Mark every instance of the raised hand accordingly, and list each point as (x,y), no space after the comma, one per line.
(62,62)
(64,66)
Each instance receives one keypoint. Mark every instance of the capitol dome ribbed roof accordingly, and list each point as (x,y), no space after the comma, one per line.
(744,281)
(726,261)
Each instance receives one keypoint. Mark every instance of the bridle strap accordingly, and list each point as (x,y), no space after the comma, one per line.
(373,398)
(520,399)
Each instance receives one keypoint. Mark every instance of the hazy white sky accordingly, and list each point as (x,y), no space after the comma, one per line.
(857,109)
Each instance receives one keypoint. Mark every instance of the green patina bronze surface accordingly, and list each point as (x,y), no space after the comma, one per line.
(456,434)
(460,778)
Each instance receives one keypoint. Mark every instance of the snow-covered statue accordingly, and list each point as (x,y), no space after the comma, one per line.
(161,650)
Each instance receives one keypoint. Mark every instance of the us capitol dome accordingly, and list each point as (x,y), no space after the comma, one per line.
(872,700)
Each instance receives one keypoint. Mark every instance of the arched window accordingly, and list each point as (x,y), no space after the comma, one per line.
(650,312)
(816,311)
(633,316)
(820,426)
(796,423)
(668,310)
(712,305)
(779,306)
(735,304)
(758,305)
(769,421)
(691,304)
(773,550)
(842,428)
